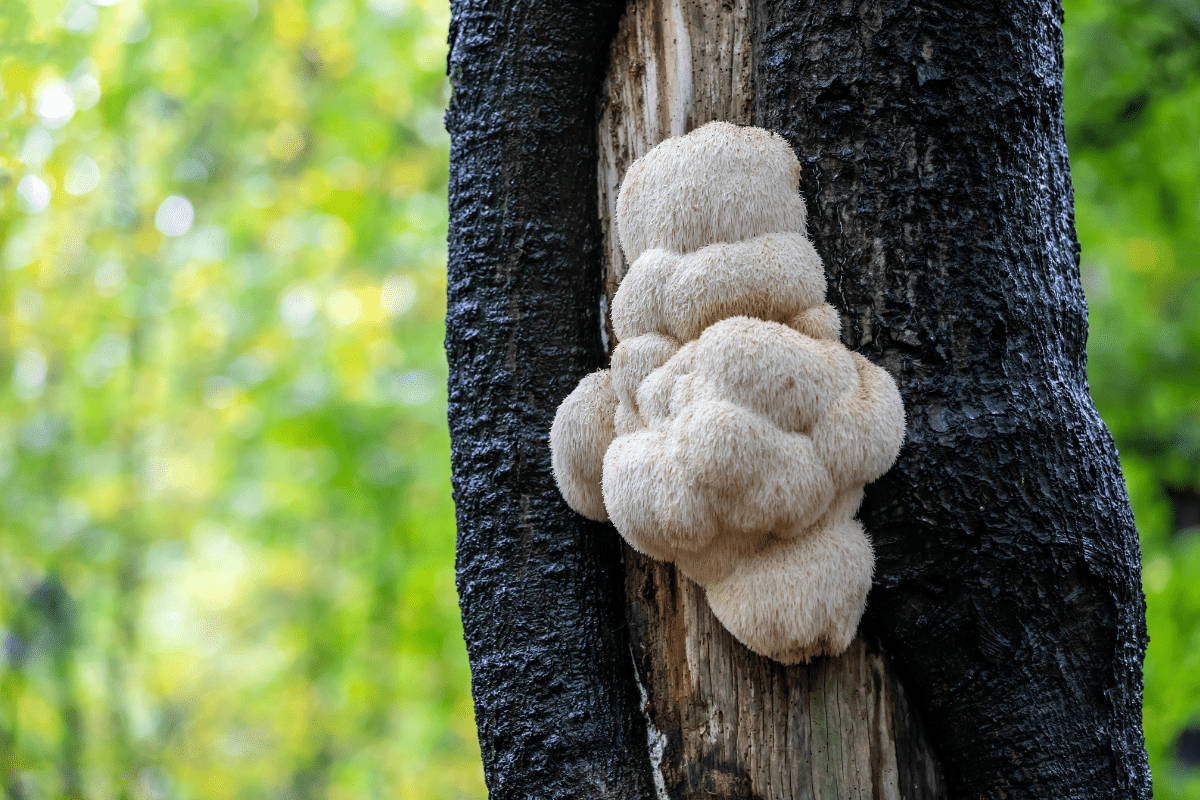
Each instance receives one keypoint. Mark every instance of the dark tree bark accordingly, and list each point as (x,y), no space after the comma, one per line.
(539,585)
(1008,576)
(1007,586)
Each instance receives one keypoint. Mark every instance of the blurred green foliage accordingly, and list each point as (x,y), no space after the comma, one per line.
(226,536)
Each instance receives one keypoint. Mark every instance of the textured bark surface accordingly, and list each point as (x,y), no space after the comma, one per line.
(540,587)
(724,722)
(1008,581)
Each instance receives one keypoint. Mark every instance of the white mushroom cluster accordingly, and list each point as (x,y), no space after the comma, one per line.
(733,433)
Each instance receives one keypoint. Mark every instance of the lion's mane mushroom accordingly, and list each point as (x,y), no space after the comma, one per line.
(733,433)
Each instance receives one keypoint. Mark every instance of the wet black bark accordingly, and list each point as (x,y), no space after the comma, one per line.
(541,588)
(1007,585)
(1008,579)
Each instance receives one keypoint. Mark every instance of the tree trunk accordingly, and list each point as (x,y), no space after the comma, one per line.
(1007,580)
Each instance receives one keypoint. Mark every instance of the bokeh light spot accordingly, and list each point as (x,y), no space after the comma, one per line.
(298,308)
(37,146)
(55,104)
(33,194)
(82,177)
(343,308)
(29,374)
(174,216)
(398,294)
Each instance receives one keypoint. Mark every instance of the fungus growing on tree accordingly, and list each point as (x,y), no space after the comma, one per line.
(733,434)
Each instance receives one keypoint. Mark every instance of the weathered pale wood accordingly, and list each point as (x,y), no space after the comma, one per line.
(676,64)
(723,722)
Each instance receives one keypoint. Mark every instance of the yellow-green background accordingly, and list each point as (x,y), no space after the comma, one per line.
(226,534)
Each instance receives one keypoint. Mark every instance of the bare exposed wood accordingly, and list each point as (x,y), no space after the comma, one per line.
(676,64)
(723,722)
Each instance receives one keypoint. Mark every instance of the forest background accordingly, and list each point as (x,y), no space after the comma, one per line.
(226,532)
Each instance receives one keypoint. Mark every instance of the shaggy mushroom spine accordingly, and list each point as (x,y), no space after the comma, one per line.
(733,433)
